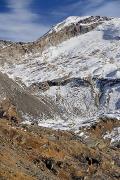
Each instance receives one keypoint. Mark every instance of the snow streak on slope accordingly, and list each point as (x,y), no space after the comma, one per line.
(94,55)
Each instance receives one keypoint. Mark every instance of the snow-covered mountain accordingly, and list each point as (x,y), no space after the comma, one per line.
(74,69)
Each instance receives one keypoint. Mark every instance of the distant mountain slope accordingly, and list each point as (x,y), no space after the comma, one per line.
(76,65)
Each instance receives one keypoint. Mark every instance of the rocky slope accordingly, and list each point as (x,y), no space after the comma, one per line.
(24,101)
(32,152)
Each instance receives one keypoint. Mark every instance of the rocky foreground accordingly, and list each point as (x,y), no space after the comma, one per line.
(29,152)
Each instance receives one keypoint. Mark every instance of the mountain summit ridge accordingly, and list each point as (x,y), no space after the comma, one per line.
(73,26)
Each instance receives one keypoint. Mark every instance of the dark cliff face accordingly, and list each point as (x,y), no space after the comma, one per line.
(52,38)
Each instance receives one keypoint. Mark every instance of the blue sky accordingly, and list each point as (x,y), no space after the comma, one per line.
(27,20)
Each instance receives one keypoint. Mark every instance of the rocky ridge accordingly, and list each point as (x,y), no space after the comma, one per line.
(52,38)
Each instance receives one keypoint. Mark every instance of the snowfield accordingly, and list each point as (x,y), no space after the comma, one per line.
(93,55)
(90,54)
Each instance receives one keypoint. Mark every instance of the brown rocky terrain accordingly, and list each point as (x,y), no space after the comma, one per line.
(32,152)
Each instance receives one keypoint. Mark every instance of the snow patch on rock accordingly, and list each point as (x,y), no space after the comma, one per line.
(114,136)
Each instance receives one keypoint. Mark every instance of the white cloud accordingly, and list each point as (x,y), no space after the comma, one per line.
(20,23)
(111,9)
(91,7)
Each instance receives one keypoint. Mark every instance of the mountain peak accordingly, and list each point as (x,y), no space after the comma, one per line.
(74,20)
(68,21)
